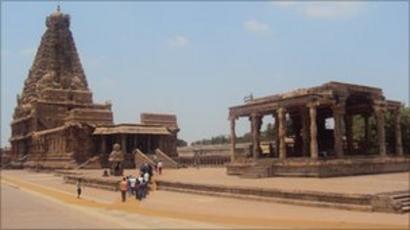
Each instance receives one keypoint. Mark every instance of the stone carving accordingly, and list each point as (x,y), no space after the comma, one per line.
(76,83)
(47,82)
(116,158)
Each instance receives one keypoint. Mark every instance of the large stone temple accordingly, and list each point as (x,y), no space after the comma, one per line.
(56,123)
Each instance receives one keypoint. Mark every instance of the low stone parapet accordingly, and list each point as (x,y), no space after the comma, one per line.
(101,183)
(305,167)
(360,202)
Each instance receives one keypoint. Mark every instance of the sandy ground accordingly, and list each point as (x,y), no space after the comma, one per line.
(177,210)
(28,205)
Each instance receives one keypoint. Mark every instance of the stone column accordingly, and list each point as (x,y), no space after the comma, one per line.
(124,143)
(276,130)
(349,132)
(338,112)
(233,138)
(134,142)
(314,152)
(282,133)
(397,129)
(379,111)
(305,131)
(103,145)
(366,130)
(256,125)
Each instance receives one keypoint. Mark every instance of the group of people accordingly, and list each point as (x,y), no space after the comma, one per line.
(138,186)
(134,186)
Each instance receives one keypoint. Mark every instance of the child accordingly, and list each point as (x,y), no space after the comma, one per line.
(159,166)
(79,188)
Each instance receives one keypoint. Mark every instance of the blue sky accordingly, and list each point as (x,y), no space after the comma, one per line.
(195,59)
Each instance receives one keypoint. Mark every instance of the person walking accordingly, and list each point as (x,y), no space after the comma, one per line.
(123,188)
(150,170)
(128,178)
(159,166)
(78,185)
(132,182)
(140,190)
(146,180)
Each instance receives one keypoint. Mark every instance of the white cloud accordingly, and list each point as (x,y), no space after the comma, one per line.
(332,10)
(255,26)
(323,10)
(287,3)
(178,41)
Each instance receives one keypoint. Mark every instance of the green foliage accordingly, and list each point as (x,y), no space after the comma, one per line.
(181,143)
(359,131)
(266,135)
(405,129)
(269,133)
(221,139)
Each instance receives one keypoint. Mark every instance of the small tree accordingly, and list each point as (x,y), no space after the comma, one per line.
(181,143)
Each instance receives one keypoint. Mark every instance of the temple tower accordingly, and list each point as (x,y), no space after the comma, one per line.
(55,96)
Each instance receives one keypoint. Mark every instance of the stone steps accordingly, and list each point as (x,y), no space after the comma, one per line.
(140,158)
(167,162)
(401,196)
(403,201)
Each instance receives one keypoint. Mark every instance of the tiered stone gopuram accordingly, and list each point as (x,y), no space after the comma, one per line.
(55,120)
(313,148)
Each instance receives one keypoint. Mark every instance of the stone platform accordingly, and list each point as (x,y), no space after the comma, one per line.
(305,167)
(381,193)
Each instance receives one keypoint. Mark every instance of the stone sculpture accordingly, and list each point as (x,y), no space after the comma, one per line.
(116,158)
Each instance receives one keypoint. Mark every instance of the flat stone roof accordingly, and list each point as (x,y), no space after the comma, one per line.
(132,129)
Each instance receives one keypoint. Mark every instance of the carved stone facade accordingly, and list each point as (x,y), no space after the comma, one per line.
(308,111)
(55,116)
(148,138)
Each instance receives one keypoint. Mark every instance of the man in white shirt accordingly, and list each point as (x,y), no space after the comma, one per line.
(132,182)
(159,166)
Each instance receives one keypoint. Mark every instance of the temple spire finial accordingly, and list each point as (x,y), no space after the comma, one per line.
(58,7)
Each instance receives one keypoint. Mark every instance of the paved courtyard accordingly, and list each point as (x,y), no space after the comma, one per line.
(167,209)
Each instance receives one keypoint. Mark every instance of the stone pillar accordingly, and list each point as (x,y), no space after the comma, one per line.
(366,118)
(276,130)
(148,141)
(338,112)
(305,131)
(256,125)
(397,131)
(297,127)
(103,145)
(379,111)
(282,133)
(314,152)
(349,132)
(233,138)
(124,143)
(134,142)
